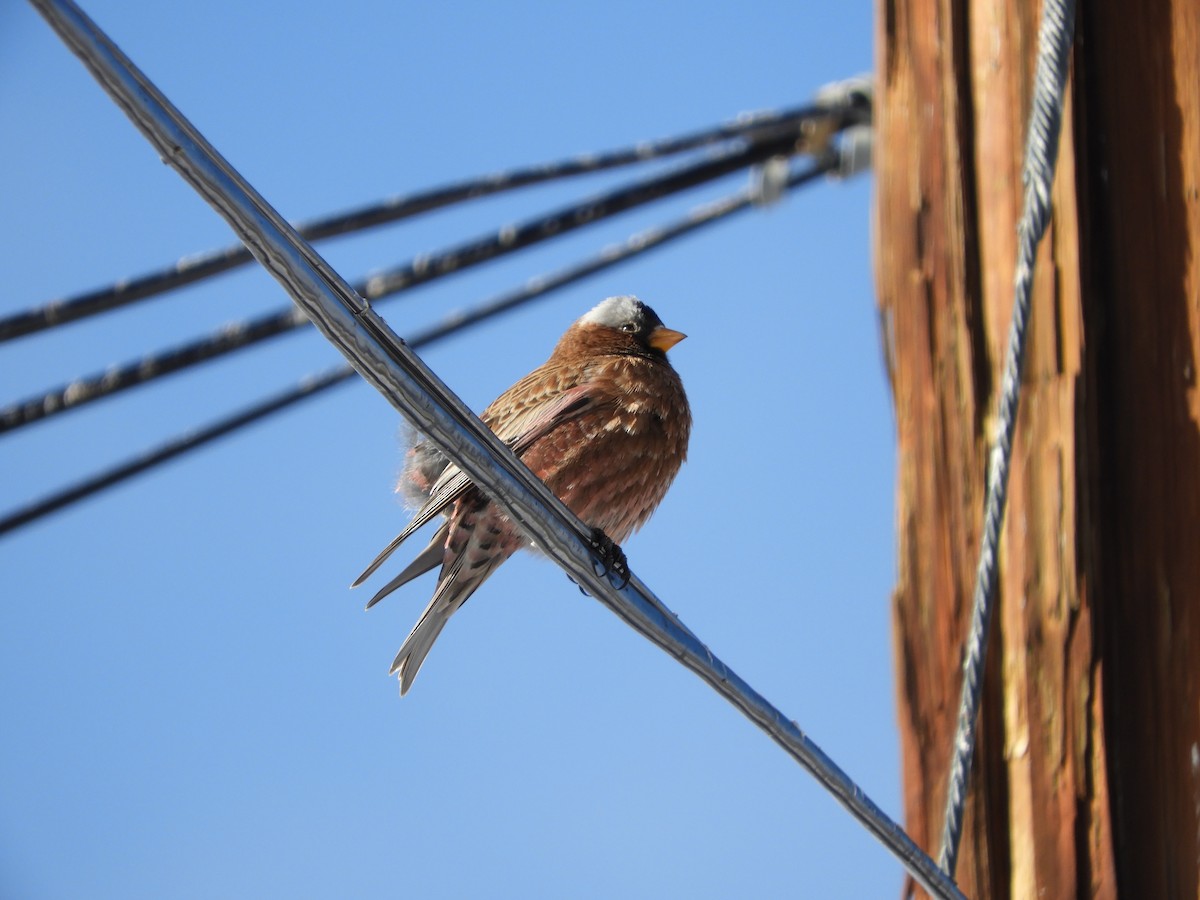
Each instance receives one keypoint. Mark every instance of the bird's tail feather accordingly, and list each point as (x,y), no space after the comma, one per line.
(428,558)
(385,553)
(452,592)
(438,502)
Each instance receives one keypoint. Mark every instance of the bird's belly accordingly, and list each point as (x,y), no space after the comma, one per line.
(613,476)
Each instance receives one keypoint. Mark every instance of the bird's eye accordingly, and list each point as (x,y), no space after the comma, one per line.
(629,327)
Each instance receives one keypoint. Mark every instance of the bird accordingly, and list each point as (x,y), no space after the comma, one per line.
(604,423)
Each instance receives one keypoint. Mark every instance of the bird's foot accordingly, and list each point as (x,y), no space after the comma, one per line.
(612,556)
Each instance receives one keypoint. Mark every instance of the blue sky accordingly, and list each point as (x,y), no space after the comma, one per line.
(195,703)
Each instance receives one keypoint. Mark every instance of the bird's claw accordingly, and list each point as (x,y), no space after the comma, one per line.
(612,556)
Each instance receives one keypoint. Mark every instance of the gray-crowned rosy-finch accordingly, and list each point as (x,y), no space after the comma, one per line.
(604,422)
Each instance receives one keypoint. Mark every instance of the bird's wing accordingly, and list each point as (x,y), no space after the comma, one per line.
(520,428)
(537,403)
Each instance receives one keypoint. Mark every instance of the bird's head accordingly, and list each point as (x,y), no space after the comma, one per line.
(624,325)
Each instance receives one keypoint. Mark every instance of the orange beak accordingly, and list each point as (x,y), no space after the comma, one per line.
(662,338)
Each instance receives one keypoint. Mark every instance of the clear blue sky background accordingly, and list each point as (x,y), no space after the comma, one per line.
(194,704)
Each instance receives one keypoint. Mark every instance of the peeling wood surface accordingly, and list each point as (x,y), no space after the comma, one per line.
(1087,776)
(1141,86)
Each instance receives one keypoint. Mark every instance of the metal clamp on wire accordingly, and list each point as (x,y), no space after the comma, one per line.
(854,152)
(844,134)
(768,180)
(849,104)
(854,97)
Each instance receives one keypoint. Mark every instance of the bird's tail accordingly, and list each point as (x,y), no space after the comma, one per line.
(454,587)
(427,559)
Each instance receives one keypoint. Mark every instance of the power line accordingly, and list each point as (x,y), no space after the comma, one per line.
(177,446)
(350,323)
(754,127)
(423,269)
(535,288)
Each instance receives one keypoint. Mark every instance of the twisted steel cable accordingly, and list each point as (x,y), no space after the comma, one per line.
(240,335)
(314,385)
(753,127)
(1041,154)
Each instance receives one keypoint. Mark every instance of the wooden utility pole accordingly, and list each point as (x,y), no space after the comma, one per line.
(1087,775)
